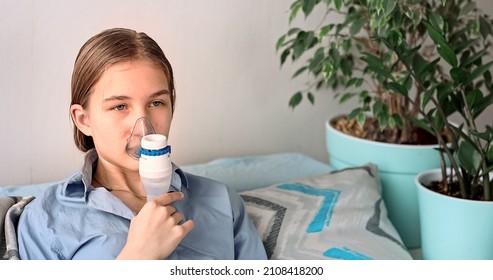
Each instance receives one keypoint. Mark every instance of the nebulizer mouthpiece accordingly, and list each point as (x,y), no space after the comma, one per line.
(153,152)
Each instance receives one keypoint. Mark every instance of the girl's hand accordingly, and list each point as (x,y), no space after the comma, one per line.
(155,232)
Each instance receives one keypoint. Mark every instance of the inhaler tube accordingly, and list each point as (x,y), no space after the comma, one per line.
(155,167)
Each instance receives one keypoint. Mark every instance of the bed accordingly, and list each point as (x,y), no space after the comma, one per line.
(302,208)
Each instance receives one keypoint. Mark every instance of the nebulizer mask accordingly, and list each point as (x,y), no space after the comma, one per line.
(153,153)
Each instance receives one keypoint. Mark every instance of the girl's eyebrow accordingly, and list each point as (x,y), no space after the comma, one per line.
(125,97)
(161,92)
(116,97)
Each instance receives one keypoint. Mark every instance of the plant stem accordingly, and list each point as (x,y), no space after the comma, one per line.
(438,134)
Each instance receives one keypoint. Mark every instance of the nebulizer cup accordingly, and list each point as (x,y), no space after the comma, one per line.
(153,152)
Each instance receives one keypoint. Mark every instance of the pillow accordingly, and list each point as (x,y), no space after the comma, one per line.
(338,215)
(250,172)
(25,190)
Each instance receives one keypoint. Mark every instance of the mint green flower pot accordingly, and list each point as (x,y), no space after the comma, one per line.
(398,166)
(453,228)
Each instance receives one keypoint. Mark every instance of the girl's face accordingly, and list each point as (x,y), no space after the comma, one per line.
(126,92)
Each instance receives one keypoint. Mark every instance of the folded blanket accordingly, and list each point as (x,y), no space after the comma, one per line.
(11,208)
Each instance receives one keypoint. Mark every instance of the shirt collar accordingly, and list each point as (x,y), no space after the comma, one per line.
(79,185)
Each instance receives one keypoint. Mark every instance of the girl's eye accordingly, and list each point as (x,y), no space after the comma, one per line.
(157,103)
(119,107)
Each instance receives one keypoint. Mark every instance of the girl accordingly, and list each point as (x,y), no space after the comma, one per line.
(101,211)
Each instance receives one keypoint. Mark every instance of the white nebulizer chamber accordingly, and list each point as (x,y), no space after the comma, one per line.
(153,152)
(155,166)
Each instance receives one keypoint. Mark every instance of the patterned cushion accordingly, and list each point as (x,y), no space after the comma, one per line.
(338,215)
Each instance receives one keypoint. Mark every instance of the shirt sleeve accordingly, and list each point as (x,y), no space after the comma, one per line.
(34,243)
(247,243)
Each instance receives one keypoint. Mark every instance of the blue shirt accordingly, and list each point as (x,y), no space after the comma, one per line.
(74,220)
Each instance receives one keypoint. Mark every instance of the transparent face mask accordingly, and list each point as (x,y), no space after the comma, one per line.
(141,128)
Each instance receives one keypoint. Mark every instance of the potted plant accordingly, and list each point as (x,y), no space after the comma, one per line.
(402,61)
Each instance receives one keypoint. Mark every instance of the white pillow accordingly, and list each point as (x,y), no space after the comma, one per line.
(338,215)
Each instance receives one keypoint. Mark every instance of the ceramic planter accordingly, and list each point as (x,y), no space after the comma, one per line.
(398,166)
(453,228)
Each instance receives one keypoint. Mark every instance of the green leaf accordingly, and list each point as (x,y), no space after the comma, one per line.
(315,64)
(419,64)
(467,9)
(408,12)
(436,20)
(443,48)
(295,100)
(383,119)
(377,107)
(335,56)
(485,103)
(295,7)
(397,119)
(489,154)
(338,4)
(388,6)
(422,124)
(486,135)
(469,157)
(328,71)
(448,54)
(356,26)
(294,30)
(347,67)
(465,45)
(394,39)
(472,59)
(392,122)
(346,96)
(324,30)
(299,45)
(459,75)
(308,6)
(396,87)
(438,121)
(359,82)
(479,71)
(280,41)
(375,64)
(361,118)
(473,97)
(485,27)
(310,40)
(299,71)
(428,69)
(311,98)
(487,78)
(355,112)
(285,55)
(354,81)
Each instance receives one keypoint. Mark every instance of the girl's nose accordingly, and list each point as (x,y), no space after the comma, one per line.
(141,128)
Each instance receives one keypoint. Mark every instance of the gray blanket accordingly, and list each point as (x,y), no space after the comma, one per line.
(11,208)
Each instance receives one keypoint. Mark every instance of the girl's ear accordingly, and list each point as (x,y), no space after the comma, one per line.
(81,119)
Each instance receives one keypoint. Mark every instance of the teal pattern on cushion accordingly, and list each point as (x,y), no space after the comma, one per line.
(324,215)
(345,254)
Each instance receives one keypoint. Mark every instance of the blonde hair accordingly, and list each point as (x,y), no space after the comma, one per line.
(104,50)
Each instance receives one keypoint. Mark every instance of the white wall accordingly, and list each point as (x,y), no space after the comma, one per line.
(232,94)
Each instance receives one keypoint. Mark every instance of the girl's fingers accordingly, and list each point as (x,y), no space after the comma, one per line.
(168,198)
